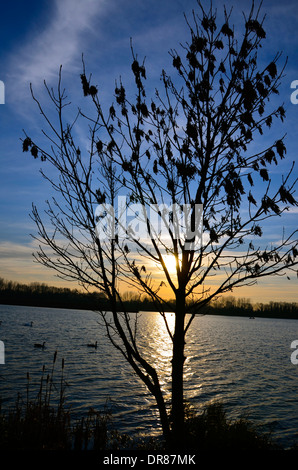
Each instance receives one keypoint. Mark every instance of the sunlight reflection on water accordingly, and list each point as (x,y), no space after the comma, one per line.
(243,363)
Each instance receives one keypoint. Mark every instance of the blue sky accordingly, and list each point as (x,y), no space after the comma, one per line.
(37,36)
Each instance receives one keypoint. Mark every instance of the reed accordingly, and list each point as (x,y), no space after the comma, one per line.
(45,422)
(37,423)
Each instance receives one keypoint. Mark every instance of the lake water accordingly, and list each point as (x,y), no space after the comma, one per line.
(243,363)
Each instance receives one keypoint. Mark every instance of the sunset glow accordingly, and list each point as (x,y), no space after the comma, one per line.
(58,33)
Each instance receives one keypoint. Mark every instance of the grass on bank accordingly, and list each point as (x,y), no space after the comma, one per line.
(45,423)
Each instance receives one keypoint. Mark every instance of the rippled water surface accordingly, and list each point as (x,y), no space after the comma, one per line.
(241,362)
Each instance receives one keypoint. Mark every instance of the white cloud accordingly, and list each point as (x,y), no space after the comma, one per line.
(292,210)
(60,42)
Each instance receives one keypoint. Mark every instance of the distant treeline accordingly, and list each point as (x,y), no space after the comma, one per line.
(243,307)
(42,295)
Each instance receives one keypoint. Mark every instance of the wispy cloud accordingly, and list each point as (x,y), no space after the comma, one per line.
(293,210)
(60,42)
(17,264)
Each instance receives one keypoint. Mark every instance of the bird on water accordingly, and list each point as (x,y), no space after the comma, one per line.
(39,345)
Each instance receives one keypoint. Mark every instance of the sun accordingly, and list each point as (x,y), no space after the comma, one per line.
(170,263)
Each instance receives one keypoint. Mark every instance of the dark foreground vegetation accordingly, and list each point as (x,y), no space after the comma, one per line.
(42,295)
(45,422)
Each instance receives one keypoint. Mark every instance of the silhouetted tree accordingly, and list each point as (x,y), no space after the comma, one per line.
(187,146)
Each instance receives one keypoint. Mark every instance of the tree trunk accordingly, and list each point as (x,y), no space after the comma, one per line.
(163,417)
(177,373)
